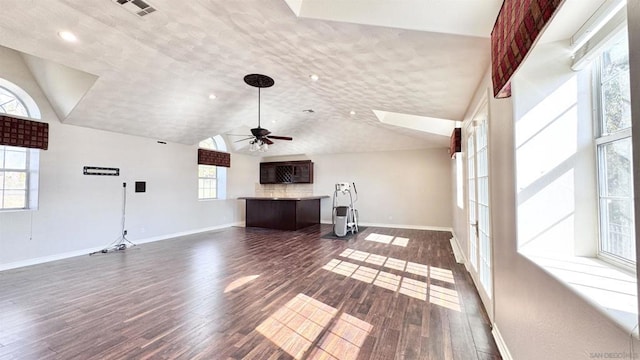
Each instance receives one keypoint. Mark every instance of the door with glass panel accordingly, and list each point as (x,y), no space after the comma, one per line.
(480,249)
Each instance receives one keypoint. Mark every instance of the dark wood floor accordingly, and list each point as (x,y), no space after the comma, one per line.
(250,294)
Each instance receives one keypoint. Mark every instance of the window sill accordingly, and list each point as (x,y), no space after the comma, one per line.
(206,200)
(16,210)
(611,290)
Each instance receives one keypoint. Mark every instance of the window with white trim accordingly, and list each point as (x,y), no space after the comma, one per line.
(212,180)
(207,179)
(614,162)
(18,166)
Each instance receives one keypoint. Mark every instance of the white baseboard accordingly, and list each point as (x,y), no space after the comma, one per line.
(70,254)
(457,253)
(44,259)
(401,226)
(502,346)
(185,233)
(461,253)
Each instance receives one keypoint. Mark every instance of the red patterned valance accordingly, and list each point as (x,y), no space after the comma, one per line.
(455,145)
(23,133)
(516,30)
(217,158)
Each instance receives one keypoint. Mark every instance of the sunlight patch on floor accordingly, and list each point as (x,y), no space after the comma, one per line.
(297,325)
(240,282)
(388,239)
(416,289)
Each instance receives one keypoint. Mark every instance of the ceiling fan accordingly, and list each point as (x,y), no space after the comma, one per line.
(260,138)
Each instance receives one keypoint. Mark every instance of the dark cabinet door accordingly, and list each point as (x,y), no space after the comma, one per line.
(288,172)
(302,173)
(267,174)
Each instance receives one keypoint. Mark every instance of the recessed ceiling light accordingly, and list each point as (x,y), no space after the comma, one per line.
(273,121)
(352,112)
(314,77)
(308,111)
(68,36)
(212,96)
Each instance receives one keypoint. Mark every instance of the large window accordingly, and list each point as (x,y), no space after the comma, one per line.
(207,174)
(615,178)
(14,176)
(212,180)
(18,166)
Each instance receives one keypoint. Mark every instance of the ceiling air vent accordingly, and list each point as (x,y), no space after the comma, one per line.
(138,7)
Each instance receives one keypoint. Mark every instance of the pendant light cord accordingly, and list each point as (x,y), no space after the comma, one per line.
(258,108)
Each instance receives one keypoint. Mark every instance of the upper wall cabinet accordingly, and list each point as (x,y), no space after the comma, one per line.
(286,172)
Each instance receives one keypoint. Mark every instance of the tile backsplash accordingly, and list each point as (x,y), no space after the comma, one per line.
(284,190)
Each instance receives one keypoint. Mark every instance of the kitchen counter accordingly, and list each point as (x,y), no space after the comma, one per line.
(283,197)
(282,213)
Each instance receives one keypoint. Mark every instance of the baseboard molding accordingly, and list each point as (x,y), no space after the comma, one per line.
(502,346)
(401,226)
(457,253)
(45,259)
(465,261)
(70,254)
(460,256)
(186,233)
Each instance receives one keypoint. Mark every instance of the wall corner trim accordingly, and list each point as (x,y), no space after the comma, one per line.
(502,346)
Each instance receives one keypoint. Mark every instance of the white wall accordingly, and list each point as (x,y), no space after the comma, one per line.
(537,316)
(396,188)
(79,213)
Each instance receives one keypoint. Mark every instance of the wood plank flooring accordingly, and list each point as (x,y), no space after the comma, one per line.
(247,293)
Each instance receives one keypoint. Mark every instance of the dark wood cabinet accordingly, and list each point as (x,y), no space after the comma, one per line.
(282,214)
(267,174)
(286,172)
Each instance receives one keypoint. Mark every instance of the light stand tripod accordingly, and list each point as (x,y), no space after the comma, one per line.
(121,242)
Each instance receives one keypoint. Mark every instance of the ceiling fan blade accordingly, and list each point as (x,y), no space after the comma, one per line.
(267,141)
(249,138)
(280,137)
(237,134)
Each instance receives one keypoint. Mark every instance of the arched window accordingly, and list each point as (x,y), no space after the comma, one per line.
(11,104)
(212,180)
(18,166)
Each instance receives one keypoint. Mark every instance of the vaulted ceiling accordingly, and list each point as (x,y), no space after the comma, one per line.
(152,76)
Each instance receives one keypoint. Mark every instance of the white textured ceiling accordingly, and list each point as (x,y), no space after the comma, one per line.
(461,17)
(155,73)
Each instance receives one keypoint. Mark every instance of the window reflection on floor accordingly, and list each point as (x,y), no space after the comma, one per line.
(438,295)
(388,239)
(297,325)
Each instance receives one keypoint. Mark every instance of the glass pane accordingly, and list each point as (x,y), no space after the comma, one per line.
(616,58)
(616,103)
(10,104)
(15,199)
(15,159)
(15,180)
(2,157)
(617,228)
(208,143)
(206,171)
(617,169)
(616,97)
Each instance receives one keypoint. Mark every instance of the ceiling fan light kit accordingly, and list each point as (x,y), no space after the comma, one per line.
(260,138)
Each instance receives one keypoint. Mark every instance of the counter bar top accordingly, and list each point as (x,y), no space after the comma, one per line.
(283,197)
